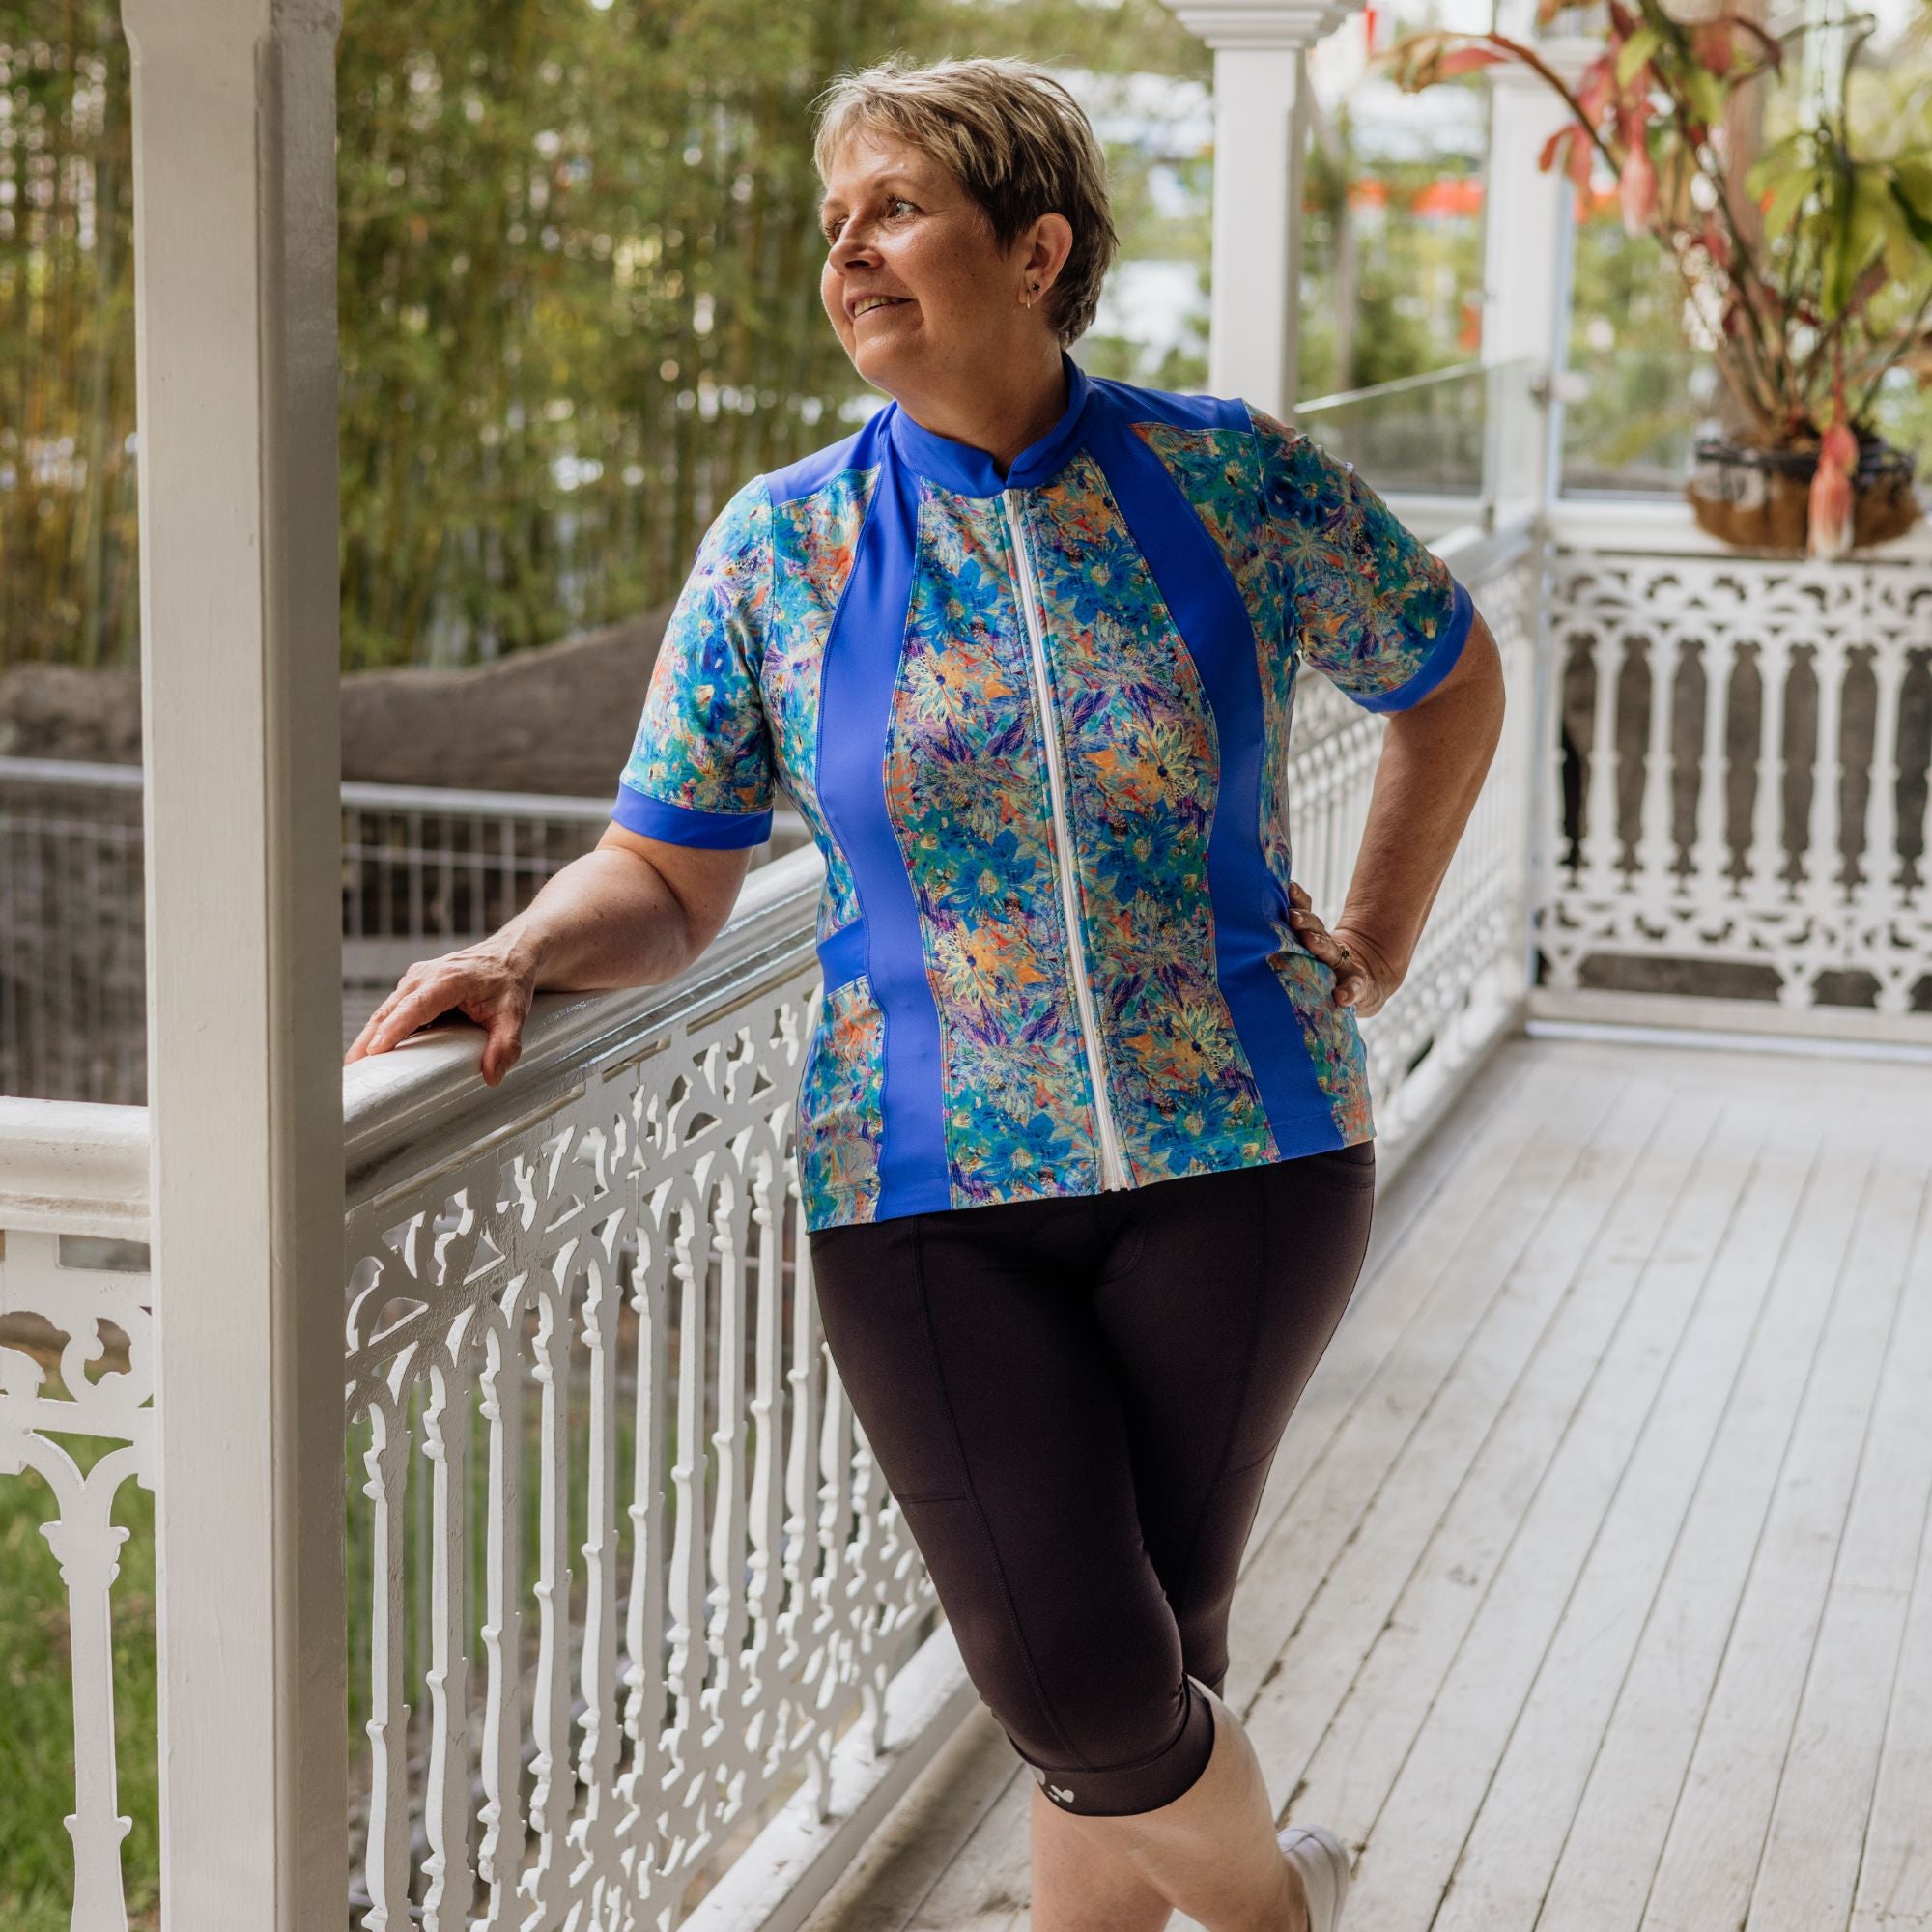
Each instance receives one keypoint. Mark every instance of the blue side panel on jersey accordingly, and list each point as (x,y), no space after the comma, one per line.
(842,953)
(856,687)
(1212,618)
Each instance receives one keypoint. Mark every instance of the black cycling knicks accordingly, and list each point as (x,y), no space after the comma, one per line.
(1075,1402)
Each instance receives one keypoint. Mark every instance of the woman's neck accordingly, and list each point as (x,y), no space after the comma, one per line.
(1001,420)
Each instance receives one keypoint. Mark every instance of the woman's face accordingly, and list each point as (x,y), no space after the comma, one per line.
(919,293)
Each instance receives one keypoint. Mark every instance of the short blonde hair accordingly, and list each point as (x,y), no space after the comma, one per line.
(1015,140)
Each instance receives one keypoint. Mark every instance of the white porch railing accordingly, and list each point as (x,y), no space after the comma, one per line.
(1466,984)
(659,1575)
(1745,744)
(626,1591)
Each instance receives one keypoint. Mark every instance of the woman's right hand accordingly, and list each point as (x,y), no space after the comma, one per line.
(1364,977)
(490,982)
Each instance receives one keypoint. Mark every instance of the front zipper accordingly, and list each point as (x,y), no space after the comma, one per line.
(1113,1169)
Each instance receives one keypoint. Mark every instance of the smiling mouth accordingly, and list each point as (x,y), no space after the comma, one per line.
(868,304)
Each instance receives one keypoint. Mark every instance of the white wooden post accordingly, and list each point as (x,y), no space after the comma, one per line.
(1529,245)
(1527,233)
(1261,135)
(234,252)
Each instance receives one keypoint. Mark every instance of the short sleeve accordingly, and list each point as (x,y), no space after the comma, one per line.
(1374,609)
(701,770)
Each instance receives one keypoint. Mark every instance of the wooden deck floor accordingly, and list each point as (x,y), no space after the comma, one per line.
(1591,1589)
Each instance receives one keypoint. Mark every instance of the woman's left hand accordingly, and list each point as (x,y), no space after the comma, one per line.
(1364,977)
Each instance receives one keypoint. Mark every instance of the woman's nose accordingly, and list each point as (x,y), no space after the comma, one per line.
(850,248)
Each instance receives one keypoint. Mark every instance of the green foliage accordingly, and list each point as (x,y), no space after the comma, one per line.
(1385,293)
(578,303)
(1634,426)
(1857,230)
(578,296)
(1814,263)
(68,587)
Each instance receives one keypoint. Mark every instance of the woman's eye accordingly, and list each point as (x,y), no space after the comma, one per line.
(830,229)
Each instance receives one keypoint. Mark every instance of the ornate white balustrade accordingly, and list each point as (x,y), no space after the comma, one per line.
(1742,777)
(626,1569)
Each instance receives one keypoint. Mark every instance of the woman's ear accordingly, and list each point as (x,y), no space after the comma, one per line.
(1047,247)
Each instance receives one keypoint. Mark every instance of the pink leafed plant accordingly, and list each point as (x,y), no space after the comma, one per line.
(1816,266)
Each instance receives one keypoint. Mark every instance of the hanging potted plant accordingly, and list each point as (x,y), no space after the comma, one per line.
(1813,272)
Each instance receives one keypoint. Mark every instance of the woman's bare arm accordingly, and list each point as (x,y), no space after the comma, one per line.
(634,912)
(631,913)
(1434,757)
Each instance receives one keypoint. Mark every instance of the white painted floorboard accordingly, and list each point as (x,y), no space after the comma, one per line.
(1591,1591)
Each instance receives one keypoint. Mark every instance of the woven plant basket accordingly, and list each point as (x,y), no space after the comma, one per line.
(1760,498)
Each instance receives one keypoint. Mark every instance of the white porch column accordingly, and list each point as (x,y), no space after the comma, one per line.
(1524,218)
(1527,233)
(1261,135)
(235,255)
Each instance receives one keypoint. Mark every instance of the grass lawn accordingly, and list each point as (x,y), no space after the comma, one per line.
(37,1707)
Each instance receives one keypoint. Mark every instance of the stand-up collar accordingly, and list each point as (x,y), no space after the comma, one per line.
(969,471)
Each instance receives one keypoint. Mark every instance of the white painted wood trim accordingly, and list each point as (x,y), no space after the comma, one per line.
(1746,1026)
(1250,329)
(1259,25)
(237,375)
(423,1096)
(1656,526)
(74,1167)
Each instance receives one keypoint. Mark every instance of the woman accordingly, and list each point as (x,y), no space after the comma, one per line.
(1084,1134)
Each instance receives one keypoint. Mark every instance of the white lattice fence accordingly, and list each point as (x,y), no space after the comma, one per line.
(1744,777)
(592,1337)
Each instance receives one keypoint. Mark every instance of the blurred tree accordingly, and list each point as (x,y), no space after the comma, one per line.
(1386,285)
(69,584)
(578,296)
(1647,387)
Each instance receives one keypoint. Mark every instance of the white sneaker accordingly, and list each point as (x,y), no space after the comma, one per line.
(1323,1861)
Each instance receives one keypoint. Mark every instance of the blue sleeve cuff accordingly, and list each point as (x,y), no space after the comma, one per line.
(679,824)
(1438,663)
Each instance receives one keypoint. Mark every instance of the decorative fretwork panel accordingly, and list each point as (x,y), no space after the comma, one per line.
(624,1568)
(77,1425)
(1742,774)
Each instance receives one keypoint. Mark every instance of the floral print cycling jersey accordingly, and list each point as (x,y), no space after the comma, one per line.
(1037,725)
